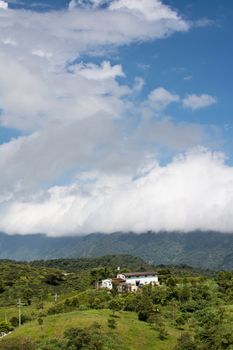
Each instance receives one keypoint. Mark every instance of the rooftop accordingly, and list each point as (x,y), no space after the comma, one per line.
(145,273)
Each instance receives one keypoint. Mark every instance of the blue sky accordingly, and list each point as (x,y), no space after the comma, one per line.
(100,97)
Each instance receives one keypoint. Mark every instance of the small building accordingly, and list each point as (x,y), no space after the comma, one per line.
(140,279)
(130,282)
(107,284)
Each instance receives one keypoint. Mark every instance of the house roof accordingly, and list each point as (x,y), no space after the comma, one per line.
(145,273)
(117,280)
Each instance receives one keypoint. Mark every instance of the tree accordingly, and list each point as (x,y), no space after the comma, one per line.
(112,323)
(40,322)
(171,282)
(225,280)
(15,321)
(115,305)
(184,294)
(5,327)
(84,339)
(54,279)
(185,342)
(145,309)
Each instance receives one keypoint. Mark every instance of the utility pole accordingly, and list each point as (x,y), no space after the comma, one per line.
(55,297)
(20,304)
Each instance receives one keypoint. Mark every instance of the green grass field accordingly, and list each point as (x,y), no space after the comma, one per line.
(131,332)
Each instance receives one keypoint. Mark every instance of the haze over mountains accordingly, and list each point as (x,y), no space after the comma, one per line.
(200,249)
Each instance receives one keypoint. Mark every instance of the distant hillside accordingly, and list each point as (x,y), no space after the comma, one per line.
(47,277)
(200,249)
(128,262)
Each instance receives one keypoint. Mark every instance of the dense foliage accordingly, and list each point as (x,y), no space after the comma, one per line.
(190,310)
(131,263)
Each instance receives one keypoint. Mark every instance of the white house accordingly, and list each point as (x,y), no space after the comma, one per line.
(130,282)
(140,279)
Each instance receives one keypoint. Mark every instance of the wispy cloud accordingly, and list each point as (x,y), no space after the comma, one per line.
(196,102)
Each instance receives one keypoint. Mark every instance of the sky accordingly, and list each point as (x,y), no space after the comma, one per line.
(116,115)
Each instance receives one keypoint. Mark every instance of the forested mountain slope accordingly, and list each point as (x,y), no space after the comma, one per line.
(201,249)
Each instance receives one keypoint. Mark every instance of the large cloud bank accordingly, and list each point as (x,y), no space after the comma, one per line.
(195,191)
(87,155)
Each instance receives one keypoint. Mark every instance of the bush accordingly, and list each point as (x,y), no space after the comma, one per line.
(5,327)
(86,339)
(185,342)
(111,323)
(19,344)
(56,309)
(54,279)
(144,316)
(180,321)
(163,334)
(115,305)
(131,302)
(52,344)
(15,320)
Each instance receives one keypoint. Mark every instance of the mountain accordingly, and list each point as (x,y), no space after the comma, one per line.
(200,249)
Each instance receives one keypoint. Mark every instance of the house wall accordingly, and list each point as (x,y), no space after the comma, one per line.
(143,280)
(107,284)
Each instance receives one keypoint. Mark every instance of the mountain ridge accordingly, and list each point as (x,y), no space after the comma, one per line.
(199,249)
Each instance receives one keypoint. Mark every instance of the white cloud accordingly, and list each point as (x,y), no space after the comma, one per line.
(42,54)
(204,22)
(9,41)
(72,4)
(104,71)
(38,47)
(34,100)
(86,3)
(199,101)
(67,34)
(3,5)
(159,98)
(194,191)
(188,77)
(152,10)
(95,143)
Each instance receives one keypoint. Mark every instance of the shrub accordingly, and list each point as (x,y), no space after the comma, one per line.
(5,327)
(111,323)
(185,342)
(19,344)
(163,334)
(15,320)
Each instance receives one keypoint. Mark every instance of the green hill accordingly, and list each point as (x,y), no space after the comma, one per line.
(201,249)
(128,262)
(61,309)
(130,333)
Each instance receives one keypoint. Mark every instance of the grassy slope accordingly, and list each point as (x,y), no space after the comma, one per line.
(133,333)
